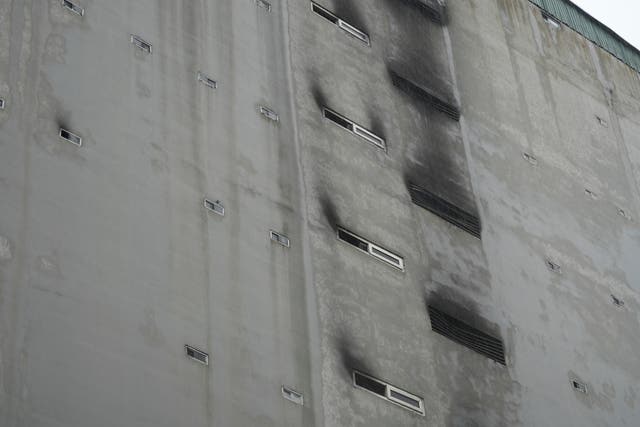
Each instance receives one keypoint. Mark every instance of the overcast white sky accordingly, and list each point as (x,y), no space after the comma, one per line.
(619,15)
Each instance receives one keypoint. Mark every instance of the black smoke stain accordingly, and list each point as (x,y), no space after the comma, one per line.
(329,211)
(350,12)
(351,357)
(433,10)
(318,94)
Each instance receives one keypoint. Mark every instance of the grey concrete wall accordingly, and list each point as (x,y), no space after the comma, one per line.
(109,263)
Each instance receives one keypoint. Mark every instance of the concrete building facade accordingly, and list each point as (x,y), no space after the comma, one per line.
(361,212)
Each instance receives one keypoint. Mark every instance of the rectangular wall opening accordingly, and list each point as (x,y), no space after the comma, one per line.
(139,42)
(207,81)
(388,392)
(70,137)
(371,249)
(425,95)
(73,7)
(269,114)
(343,25)
(214,206)
(292,395)
(279,238)
(197,355)
(354,128)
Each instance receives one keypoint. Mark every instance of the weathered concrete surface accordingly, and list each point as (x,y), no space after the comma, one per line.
(109,264)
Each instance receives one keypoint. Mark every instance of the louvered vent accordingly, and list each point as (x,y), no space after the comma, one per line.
(425,95)
(445,210)
(466,335)
(432,9)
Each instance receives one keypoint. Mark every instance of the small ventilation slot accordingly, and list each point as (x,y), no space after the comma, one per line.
(551,20)
(279,238)
(292,395)
(602,122)
(579,386)
(388,392)
(138,42)
(269,114)
(431,9)
(445,210)
(354,128)
(530,158)
(1,104)
(70,137)
(553,267)
(425,95)
(215,207)
(343,25)
(207,81)
(72,7)
(264,5)
(370,248)
(466,335)
(197,355)
(617,301)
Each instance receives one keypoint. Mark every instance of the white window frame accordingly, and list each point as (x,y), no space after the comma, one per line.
(279,238)
(216,207)
(204,354)
(387,395)
(141,44)
(292,395)
(356,129)
(343,25)
(374,250)
(207,81)
(73,7)
(72,137)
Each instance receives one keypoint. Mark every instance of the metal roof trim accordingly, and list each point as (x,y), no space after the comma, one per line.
(583,23)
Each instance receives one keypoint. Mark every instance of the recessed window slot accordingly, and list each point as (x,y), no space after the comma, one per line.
(551,20)
(388,392)
(354,128)
(215,207)
(553,267)
(207,81)
(138,42)
(624,214)
(590,193)
(264,4)
(343,25)
(280,238)
(197,355)
(530,158)
(1,104)
(579,386)
(269,114)
(292,395)
(446,210)
(425,95)
(466,335)
(70,137)
(71,6)
(617,301)
(371,249)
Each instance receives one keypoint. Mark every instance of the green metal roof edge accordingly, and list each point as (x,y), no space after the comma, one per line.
(580,21)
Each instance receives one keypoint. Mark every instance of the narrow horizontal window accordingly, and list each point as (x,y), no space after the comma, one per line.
(197,355)
(70,137)
(292,395)
(446,210)
(280,238)
(388,392)
(425,95)
(269,114)
(466,335)
(207,81)
(215,207)
(354,128)
(370,248)
(343,25)
(264,4)
(432,9)
(73,7)
(1,104)
(140,43)
(579,386)
(530,158)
